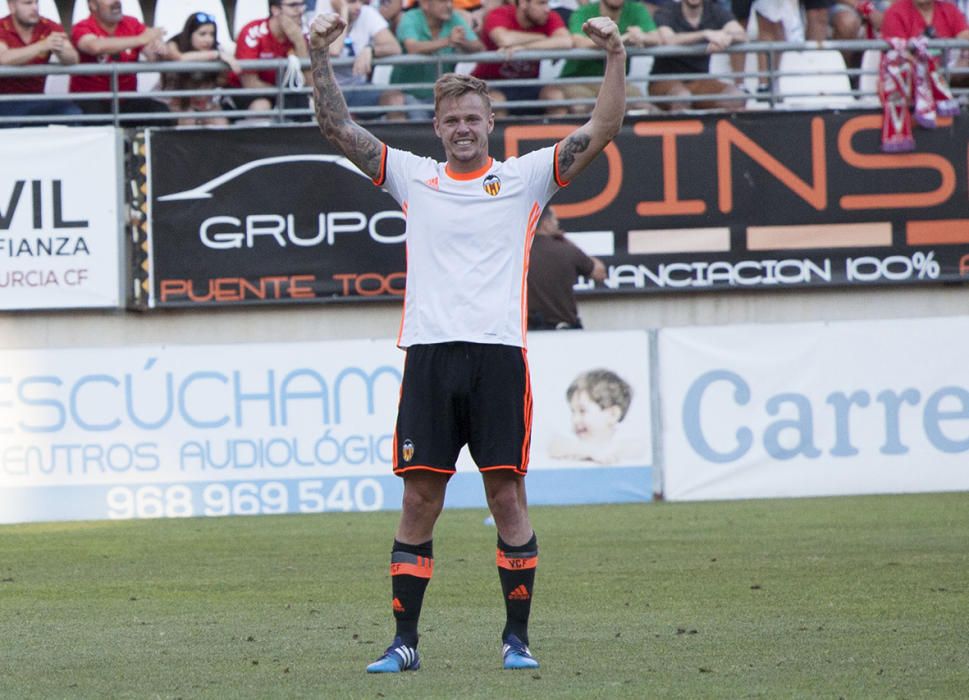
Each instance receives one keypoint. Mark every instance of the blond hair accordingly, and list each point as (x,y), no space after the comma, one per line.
(455,85)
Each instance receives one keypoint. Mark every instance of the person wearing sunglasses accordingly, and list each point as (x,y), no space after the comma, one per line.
(198,41)
(277,36)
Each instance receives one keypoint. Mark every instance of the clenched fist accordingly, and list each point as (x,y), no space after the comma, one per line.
(604,34)
(325,28)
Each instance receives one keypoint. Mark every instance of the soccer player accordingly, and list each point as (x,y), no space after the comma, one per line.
(470,221)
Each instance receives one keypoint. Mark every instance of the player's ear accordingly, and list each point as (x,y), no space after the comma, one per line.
(615,413)
(491,122)
(436,130)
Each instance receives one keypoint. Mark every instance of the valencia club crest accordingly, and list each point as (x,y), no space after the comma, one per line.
(492,185)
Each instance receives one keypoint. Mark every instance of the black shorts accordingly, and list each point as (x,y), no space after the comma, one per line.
(456,394)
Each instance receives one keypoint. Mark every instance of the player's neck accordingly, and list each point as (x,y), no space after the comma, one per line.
(461,169)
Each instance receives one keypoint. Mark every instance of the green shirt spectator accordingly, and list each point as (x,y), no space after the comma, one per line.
(432,28)
(631,14)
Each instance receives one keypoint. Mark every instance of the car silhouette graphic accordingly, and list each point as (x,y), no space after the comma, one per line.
(204,191)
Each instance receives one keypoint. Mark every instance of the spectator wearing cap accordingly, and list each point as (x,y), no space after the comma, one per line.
(110,36)
(26,38)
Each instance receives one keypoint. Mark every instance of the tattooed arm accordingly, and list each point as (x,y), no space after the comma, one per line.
(356,143)
(578,149)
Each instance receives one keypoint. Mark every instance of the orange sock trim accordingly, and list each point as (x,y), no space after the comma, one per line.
(514,563)
(422,568)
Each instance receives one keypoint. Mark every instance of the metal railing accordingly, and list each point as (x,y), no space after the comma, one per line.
(849,95)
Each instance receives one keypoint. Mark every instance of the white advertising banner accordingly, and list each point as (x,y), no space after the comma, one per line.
(60,232)
(178,431)
(815,409)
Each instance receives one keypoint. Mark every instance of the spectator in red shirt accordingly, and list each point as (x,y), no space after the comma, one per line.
(109,36)
(277,36)
(527,25)
(26,38)
(934,19)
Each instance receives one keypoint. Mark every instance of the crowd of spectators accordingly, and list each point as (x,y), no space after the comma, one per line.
(445,28)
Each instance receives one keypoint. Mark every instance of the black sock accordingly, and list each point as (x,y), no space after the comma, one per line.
(411,566)
(516,570)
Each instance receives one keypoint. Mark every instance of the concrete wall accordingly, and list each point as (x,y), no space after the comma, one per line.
(381,319)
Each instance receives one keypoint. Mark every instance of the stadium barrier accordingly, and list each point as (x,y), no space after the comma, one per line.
(814,409)
(236,216)
(206,430)
(753,411)
(804,84)
(766,201)
(61,218)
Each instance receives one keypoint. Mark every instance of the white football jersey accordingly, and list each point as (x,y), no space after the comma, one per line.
(468,239)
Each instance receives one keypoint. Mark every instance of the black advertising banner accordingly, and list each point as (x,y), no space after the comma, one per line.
(746,201)
(267,215)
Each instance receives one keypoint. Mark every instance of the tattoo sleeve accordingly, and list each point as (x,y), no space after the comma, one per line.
(574,144)
(333,116)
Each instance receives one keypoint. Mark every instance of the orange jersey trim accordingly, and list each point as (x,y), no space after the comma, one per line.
(382,173)
(515,563)
(533,216)
(469,176)
(527,442)
(555,166)
(403,306)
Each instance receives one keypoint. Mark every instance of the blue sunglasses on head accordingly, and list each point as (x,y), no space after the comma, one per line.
(204,18)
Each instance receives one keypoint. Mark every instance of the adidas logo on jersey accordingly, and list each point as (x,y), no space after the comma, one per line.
(433,182)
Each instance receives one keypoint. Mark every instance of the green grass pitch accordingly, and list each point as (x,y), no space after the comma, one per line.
(861,597)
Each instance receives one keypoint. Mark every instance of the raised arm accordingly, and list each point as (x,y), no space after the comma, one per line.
(103,45)
(332,114)
(578,149)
